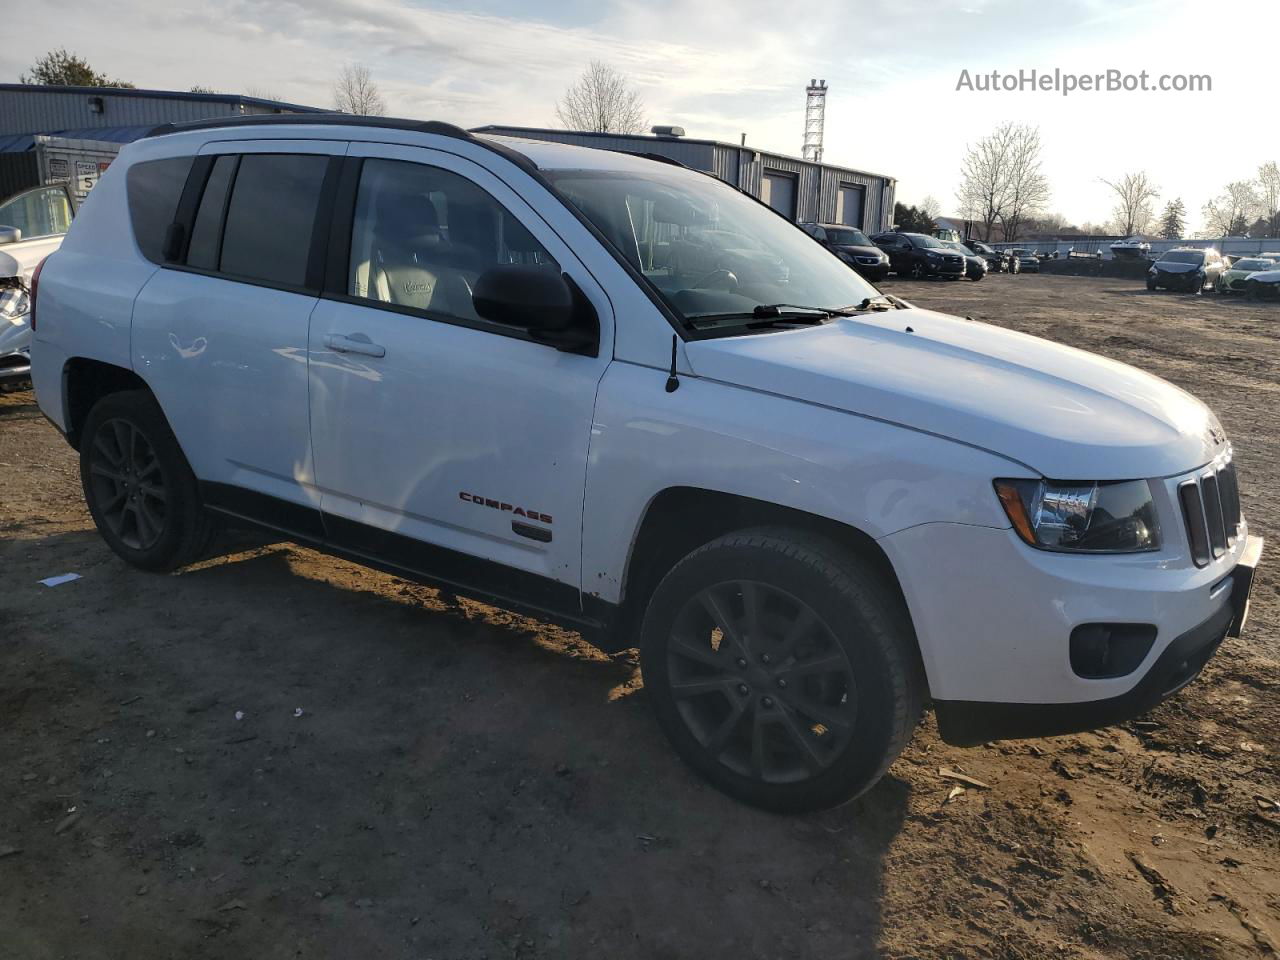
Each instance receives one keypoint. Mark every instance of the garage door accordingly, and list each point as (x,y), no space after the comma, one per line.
(849,203)
(778,190)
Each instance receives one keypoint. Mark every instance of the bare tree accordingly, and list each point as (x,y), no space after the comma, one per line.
(355,92)
(1028,190)
(602,100)
(1269,194)
(1134,195)
(261,93)
(1232,211)
(931,207)
(1001,180)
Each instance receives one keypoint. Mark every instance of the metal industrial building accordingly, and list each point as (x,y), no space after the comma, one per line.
(114,114)
(800,189)
(51,135)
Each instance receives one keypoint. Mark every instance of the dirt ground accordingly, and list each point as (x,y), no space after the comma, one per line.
(417,776)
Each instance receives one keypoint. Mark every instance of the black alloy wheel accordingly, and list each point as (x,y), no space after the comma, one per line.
(782,668)
(138,485)
(129,484)
(761,682)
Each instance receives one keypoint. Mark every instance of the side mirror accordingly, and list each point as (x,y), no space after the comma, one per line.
(540,300)
(10,235)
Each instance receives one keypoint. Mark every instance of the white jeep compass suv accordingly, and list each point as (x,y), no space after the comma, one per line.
(497,365)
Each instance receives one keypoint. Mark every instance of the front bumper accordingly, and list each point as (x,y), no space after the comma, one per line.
(1174,281)
(994,618)
(967,723)
(872,271)
(15,367)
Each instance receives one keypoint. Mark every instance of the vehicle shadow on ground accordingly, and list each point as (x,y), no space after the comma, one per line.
(459,781)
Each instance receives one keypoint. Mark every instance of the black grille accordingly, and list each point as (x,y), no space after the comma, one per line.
(1211,511)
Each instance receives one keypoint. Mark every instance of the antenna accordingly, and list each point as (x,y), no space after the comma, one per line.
(673,382)
(815,109)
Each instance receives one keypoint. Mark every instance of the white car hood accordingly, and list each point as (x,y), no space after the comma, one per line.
(1265,276)
(1067,414)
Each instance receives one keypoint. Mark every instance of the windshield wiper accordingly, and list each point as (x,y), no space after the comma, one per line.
(771,315)
(767,310)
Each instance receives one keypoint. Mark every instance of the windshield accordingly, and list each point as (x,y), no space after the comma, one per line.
(847,237)
(1252,265)
(707,249)
(1187,256)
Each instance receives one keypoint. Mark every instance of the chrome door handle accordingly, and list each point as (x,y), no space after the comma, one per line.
(356,343)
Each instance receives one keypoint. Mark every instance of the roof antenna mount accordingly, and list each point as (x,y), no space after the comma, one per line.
(673,382)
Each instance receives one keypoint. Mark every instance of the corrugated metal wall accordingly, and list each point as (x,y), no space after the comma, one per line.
(817,185)
(45,111)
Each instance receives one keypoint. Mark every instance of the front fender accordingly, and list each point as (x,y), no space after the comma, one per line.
(876,477)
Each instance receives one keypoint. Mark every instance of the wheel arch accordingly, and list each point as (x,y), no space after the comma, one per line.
(85,381)
(679,519)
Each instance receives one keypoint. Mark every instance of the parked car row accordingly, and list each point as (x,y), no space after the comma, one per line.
(1192,269)
(915,255)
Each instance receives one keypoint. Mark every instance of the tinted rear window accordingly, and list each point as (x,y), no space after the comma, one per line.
(155,187)
(269,221)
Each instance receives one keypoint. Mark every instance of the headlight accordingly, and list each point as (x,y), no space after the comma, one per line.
(933,255)
(14,303)
(1082,516)
(1152,271)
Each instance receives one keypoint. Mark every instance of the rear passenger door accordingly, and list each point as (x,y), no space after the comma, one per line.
(220,333)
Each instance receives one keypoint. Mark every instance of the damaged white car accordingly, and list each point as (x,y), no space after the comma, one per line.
(32,225)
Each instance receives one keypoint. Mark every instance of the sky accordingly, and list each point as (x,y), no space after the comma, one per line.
(721,68)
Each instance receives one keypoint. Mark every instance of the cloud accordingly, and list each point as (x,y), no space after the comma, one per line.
(720,68)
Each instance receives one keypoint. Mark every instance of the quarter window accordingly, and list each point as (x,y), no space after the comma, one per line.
(422,236)
(154,188)
(270,217)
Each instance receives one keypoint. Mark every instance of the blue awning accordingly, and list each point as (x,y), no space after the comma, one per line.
(20,142)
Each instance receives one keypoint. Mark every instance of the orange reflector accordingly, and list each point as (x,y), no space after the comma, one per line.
(1016,510)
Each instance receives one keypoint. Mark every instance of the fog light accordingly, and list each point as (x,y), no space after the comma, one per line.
(1103,650)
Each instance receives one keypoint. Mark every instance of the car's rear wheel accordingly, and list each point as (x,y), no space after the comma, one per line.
(138,486)
(782,668)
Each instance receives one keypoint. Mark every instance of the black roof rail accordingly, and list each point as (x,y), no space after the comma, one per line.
(660,158)
(437,127)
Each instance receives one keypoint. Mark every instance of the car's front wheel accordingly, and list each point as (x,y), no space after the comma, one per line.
(138,485)
(782,668)
(918,271)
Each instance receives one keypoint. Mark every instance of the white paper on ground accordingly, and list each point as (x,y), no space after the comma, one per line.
(60,579)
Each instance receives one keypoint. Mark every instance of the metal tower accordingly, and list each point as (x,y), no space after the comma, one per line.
(815,108)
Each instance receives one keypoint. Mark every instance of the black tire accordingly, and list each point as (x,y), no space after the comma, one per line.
(140,490)
(917,271)
(867,703)
(1151,285)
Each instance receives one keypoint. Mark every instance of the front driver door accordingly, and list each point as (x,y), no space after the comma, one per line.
(445,443)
